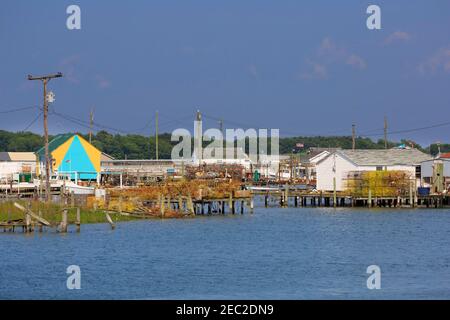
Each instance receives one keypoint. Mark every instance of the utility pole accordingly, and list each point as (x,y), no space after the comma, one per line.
(91,124)
(221,131)
(385,132)
(221,126)
(45,79)
(353,137)
(156,136)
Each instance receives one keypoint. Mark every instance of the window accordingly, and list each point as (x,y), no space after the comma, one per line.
(418,171)
(379,168)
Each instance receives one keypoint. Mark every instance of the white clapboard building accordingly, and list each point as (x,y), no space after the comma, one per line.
(341,162)
(14,163)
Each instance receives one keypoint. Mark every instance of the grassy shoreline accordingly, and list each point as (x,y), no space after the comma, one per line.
(52,213)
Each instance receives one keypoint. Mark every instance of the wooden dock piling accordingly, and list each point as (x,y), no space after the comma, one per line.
(78,220)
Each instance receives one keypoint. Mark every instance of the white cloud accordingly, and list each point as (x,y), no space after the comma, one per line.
(397,36)
(356,61)
(328,54)
(316,71)
(436,63)
(328,49)
(102,82)
(68,67)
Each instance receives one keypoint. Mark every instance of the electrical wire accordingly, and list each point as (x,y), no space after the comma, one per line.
(32,122)
(17,110)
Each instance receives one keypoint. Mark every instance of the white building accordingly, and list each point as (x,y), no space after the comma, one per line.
(12,164)
(239,158)
(310,160)
(436,173)
(341,162)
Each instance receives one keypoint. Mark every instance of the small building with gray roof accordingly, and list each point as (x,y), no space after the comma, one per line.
(339,164)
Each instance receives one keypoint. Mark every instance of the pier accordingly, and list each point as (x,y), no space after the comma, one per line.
(284,196)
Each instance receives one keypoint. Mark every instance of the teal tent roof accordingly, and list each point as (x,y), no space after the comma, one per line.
(54,143)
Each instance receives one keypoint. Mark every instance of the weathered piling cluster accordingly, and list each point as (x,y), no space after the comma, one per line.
(286,196)
(34,216)
(177,199)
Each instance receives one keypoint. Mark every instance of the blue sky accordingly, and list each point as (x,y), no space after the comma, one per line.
(305,67)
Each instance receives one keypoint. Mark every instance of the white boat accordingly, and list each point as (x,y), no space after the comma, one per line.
(76,189)
(263,188)
(64,181)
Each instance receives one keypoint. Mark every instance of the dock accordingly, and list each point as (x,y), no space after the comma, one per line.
(285,196)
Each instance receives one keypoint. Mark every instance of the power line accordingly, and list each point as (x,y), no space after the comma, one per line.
(33,121)
(17,110)
(408,130)
(87,125)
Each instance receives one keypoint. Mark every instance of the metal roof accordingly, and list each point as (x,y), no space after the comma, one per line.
(17,156)
(384,157)
(54,143)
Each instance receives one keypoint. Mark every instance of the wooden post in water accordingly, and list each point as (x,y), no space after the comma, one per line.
(411,200)
(108,218)
(180,204)
(415,192)
(242,207)
(161,201)
(369,201)
(27,219)
(334,192)
(231,203)
(252,205)
(9,214)
(191,205)
(78,220)
(63,226)
(286,195)
(40,224)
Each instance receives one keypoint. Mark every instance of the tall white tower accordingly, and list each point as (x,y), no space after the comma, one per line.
(198,138)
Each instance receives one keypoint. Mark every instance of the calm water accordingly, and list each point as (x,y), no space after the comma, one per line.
(275,253)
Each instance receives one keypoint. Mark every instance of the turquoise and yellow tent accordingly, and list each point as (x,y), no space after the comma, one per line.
(73,155)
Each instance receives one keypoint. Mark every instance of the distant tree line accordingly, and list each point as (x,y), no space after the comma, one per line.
(141,147)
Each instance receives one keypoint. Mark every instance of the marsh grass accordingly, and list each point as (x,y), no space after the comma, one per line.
(53,213)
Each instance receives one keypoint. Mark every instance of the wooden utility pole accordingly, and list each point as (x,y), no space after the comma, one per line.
(91,124)
(156,136)
(353,137)
(45,79)
(385,132)
(221,131)
(221,126)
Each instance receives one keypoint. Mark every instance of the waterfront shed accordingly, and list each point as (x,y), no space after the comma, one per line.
(21,165)
(72,155)
(436,173)
(341,163)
